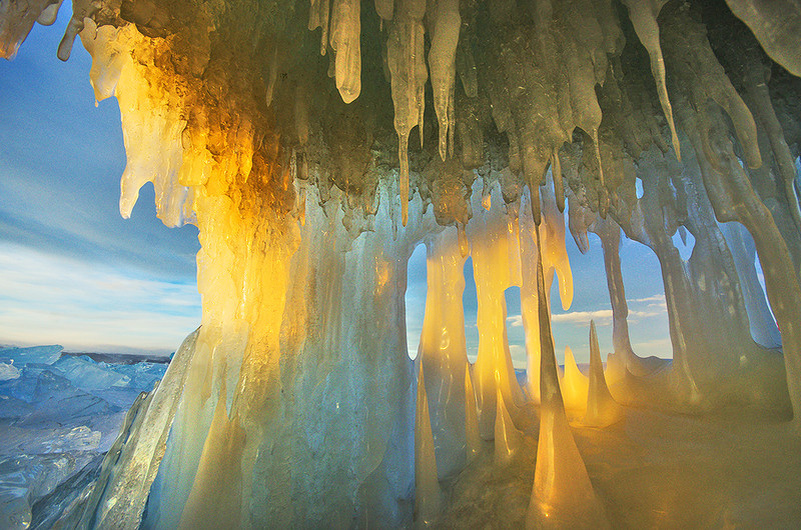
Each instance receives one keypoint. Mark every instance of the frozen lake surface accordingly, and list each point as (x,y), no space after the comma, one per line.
(59,415)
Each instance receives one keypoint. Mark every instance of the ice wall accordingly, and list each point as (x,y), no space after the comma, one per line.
(464,125)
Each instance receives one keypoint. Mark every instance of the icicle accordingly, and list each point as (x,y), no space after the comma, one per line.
(49,15)
(472,437)
(403,152)
(486,200)
(536,206)
(597,146)
(464,244)
(558,183)
(508,439)
(272,78)
(562,495)
(302,206)
(81,10)
(408,75)
(602,409)
(384,8)
(346,41)
(427,495)
(643,15)
(776,24)
(319,13)
(442,63)
(575,384)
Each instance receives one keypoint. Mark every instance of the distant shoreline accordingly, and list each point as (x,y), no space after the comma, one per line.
(120,358)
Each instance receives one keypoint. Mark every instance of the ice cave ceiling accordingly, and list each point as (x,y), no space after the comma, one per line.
(315,143)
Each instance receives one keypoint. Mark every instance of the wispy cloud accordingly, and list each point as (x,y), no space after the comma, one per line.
(580,317)
(86,306)
(657,298)
(515,320)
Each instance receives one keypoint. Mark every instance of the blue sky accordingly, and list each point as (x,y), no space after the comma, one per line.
(73,272)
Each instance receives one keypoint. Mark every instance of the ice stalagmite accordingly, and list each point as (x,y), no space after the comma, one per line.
(427,494)
(602,409)
(473,441)
(442,348)
(508,439)
(563,495)
(122,490)
(555,262)
(575,385)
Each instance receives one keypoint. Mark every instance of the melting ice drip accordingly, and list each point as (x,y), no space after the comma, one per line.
(295,401)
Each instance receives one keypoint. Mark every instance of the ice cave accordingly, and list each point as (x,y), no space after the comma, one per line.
(316,143)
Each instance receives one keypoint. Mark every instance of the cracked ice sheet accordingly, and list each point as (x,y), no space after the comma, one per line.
(83,305)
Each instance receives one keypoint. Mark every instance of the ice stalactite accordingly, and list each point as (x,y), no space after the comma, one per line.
(562,494)
(444,32)
(547,84)
(443,351)
(776,25)
(346,42)
(653,224)
(427,494)
(643,15)
(408,76)
(17,20)
(602,409)
(733,199)
(384,8)
(726,183)
(319,16)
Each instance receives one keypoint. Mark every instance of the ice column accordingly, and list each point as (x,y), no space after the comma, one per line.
(609,232)
(763,326)
(443,350)
(496,267)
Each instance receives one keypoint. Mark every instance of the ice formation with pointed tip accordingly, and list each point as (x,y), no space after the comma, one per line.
(283,130)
